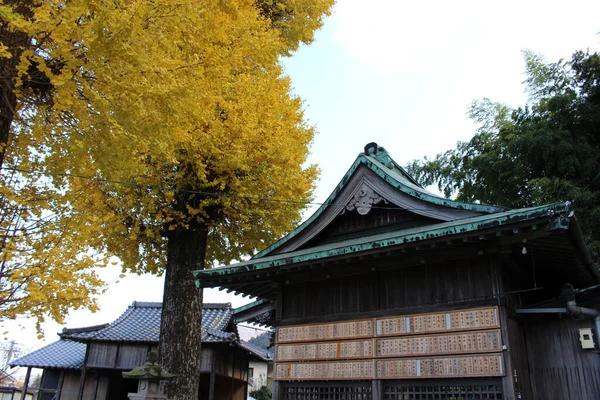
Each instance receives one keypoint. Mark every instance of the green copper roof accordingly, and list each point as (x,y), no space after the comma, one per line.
(377,159)
(556,212)
(248,306)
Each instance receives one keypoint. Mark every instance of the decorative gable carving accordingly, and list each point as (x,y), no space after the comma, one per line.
(362,201)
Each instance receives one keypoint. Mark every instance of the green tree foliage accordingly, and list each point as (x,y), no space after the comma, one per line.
(544,152)
(264,393)
(263,341)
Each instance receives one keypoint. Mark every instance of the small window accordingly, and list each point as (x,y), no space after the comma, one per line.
(250,373)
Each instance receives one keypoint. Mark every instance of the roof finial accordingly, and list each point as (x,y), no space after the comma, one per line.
(379,153)
(371,149)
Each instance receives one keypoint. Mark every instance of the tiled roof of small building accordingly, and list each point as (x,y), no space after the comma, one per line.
(141,323)
(65,354)
(263,354)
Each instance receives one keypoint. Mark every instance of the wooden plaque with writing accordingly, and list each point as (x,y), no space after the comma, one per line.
(441,344)
(441,367)
(461,343)
(326,350)
(463,320)
(328,331)
(323,371)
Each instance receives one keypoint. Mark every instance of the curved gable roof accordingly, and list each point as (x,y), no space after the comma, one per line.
(375,169)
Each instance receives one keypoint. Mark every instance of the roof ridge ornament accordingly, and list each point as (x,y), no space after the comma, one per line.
(363,200)
(379,153)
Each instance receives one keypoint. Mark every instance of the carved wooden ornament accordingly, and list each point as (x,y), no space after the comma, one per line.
(363,200)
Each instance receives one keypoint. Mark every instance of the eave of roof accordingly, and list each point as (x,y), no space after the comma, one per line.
(394,238)
(140,323)
(248,306)
(63,354)
(262,354)
(397,178)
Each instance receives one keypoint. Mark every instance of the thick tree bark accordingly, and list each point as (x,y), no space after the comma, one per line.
(180,331)
(8,73)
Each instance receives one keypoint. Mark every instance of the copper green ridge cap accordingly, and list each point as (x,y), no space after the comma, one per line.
(378,160)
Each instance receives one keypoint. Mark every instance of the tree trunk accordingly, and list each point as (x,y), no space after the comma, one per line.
(16,41)
(180,330)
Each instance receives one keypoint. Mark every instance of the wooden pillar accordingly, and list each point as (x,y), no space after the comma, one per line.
(231,385)
(275,390)
(211,386)
(247,380)
(61,381)
(279,304)
(275,384)
(376,389)
(26,384)
(96,384)
(81,384)
(83,372)
(508,384)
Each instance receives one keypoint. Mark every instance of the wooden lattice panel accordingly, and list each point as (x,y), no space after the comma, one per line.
(331,331)
(441,367)
(452,343)
(347,370)
(325,350)
(473,319)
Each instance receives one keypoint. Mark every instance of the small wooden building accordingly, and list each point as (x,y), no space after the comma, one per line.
(390,292)
(86,363)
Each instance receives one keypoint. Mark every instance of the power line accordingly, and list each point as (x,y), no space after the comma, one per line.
(199,192)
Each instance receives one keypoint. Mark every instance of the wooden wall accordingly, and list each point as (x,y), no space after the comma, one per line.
(93,384)
(117,355)
(560,369)
(519,373)
(451,283)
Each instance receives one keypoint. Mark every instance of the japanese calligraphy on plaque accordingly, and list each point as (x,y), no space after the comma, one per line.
(482,318)
(441,367)
(462,343)
(450,343)
(332,331)
(350,370)
(326,350)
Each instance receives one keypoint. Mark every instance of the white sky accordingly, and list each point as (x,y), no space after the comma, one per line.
(397,73)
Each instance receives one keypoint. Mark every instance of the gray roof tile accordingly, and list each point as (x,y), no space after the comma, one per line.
(263,354)
(65,354)
(139,323)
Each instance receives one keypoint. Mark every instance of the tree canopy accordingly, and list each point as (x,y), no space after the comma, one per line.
(156,131)
(159,95)
(546,151)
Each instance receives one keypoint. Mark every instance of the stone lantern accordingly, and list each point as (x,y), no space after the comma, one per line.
(149,375)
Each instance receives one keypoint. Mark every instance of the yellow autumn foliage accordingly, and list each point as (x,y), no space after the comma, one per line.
(144,104)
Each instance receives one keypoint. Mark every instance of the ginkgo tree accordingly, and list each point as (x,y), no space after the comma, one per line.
(153,131)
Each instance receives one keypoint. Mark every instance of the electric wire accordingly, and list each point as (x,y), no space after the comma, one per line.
(209,194)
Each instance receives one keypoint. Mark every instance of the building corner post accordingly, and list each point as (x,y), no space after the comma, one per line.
(26,384)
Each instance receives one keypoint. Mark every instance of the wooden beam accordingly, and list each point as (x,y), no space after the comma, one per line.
(61,381)
(211,385)
(26,384)
(83,372)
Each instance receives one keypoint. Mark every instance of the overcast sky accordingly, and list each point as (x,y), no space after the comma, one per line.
(400,74)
